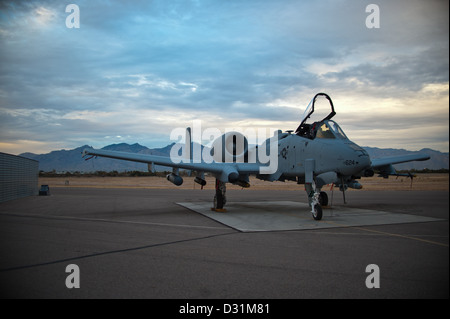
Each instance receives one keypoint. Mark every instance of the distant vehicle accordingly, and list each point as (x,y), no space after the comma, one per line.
(44,190)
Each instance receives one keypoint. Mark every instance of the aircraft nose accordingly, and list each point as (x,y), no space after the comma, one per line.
(358,158)
(364,161)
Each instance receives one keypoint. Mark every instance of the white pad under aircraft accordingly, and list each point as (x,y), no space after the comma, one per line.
(316,154)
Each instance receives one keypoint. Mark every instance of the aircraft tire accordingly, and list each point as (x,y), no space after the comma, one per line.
(317,215)
(219,201)
(323,199)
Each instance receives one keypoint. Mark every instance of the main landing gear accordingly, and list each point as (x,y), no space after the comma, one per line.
(317,199)
(219,198)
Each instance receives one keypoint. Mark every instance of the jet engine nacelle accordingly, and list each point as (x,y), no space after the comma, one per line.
(200,181)
(231,147)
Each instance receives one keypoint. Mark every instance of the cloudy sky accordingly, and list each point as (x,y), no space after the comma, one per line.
(135,70)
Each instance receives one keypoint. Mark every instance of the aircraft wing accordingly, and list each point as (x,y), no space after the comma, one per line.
(225,172)
(384,165)
(379,162)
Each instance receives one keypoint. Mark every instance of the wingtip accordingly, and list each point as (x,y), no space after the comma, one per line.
(85,152)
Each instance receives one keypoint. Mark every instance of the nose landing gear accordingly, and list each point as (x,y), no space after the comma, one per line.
(316,199)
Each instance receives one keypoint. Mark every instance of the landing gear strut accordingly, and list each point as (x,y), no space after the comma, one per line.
(220,198)
(315,198)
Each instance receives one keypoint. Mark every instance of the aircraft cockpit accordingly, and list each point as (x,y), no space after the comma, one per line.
(328,129)
(323,128)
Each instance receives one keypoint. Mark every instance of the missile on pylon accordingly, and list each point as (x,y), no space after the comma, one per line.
(200,181)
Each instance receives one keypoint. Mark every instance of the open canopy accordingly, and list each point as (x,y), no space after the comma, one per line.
(305,129)
(310,109)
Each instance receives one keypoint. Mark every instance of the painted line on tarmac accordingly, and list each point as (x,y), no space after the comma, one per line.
(112,221)
(389,234)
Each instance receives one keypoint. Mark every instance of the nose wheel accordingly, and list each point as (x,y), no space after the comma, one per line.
(317,212)
(316,199)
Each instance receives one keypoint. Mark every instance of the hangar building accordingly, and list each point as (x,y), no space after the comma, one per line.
(18,177)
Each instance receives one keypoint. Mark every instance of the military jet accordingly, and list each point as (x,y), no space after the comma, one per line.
(316,154)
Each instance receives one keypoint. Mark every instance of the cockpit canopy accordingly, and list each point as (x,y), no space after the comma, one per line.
(328,129)
(324,127)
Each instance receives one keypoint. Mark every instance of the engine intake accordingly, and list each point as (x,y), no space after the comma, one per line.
(231,147)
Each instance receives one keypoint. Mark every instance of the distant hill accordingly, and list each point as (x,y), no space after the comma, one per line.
(71,161)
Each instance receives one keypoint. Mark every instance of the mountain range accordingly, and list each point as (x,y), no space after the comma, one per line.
(71,160)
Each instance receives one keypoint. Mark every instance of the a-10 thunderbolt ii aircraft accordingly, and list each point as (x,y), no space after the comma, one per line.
(316,154)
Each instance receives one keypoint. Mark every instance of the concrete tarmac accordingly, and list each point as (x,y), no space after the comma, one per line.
(138,243)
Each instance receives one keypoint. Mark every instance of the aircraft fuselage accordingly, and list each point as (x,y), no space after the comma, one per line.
(339,155)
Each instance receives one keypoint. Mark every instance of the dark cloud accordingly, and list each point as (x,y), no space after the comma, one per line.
(258,60)
(399,73)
